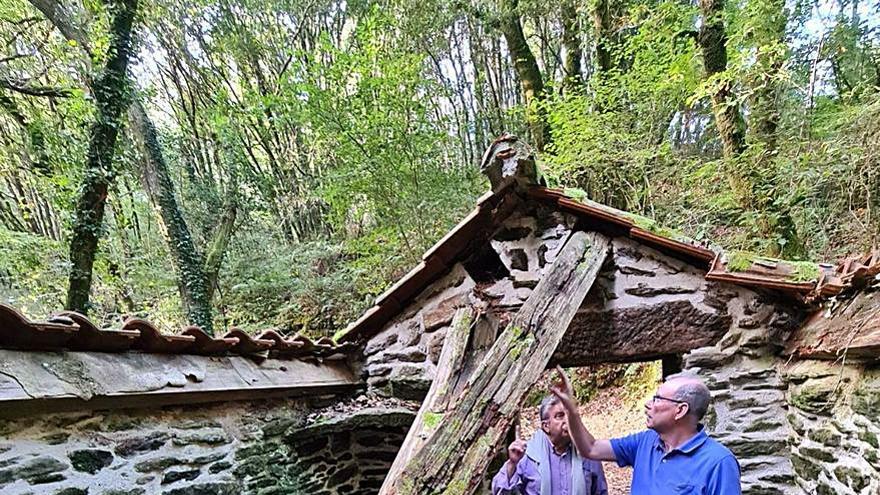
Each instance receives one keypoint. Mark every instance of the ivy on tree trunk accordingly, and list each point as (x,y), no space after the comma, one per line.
(111,98)
(713,43)
(192,281)
(529,73)
(571,40)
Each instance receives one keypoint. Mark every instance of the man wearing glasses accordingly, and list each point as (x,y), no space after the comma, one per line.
(674,455)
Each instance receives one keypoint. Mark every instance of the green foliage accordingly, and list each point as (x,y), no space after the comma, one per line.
(347,137)
(32,271)
(385,153)
(307,287)
(740,261)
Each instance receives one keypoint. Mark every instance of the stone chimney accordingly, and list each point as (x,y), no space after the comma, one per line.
(510,160)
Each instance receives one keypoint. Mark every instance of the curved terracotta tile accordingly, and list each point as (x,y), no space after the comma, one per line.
(283,348)
(16,331)
(207,345)
(152,340)
(246,343)
(91,338)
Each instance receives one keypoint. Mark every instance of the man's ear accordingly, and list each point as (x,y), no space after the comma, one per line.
(682,411)
(545,426)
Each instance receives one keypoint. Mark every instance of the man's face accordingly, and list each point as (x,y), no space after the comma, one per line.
(556,425)
(662,411)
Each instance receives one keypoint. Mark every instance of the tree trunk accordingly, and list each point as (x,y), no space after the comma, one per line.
(571,41)
(531,82)
(713,43)
(194,284)
(602,25)
(110,98)
(222,236)
(39,158)
(770,36)
(466,438)
(192,281)
(775,221)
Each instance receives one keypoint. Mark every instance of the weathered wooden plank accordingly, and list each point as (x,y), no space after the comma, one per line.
(454,459)
(436,403)
(47,380)
(852,326)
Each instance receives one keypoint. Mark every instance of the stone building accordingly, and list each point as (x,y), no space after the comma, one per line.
(790,351)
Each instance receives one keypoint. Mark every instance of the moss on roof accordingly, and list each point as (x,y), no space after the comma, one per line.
(800,271)
(640,221)
(737,261)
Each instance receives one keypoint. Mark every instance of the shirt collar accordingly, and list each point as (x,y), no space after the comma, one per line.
(690,445)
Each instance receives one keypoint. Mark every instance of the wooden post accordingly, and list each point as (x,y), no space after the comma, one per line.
(454,459)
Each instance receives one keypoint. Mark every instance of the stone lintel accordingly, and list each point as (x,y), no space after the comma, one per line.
(640,333)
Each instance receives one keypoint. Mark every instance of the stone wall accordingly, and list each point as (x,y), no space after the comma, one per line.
(268,447)
(834,412)
(796,428)
(743,371)
(401,359)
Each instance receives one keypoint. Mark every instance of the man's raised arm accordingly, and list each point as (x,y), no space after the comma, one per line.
(587,445)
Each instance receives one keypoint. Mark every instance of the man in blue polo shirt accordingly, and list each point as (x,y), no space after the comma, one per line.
(674,455)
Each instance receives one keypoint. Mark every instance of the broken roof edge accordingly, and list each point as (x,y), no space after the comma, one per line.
(492,208)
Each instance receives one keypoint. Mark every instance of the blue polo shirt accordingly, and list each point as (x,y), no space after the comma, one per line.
(700,466)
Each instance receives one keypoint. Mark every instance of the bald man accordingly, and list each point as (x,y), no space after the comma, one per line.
(674,455)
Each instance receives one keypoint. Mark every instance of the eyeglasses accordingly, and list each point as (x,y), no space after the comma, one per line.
(660,397)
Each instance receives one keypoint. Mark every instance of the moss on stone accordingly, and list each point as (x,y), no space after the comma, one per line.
(805,468)
(824,489)
(339,334)
(804,271)
(870,438)
(866,398)
(825,436)
(652,226)
(801,271)
(852,477)
(873,459)
(575,193)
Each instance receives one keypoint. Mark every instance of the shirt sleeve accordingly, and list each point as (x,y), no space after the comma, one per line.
(625,448)
(502,485)
(724,479)
(524,480)
(594,471)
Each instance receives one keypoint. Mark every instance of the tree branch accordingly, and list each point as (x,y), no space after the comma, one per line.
(22,87)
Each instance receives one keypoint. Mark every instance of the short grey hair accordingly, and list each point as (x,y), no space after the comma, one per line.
(693,392)
(546,403)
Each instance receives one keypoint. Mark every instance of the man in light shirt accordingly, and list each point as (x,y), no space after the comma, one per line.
(549,464)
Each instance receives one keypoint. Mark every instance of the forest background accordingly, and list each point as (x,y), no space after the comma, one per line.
(278,163)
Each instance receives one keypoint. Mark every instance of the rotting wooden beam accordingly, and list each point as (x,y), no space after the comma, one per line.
(850,327)
(454,459)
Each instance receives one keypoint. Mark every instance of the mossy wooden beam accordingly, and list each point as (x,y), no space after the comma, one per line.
(454,459)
